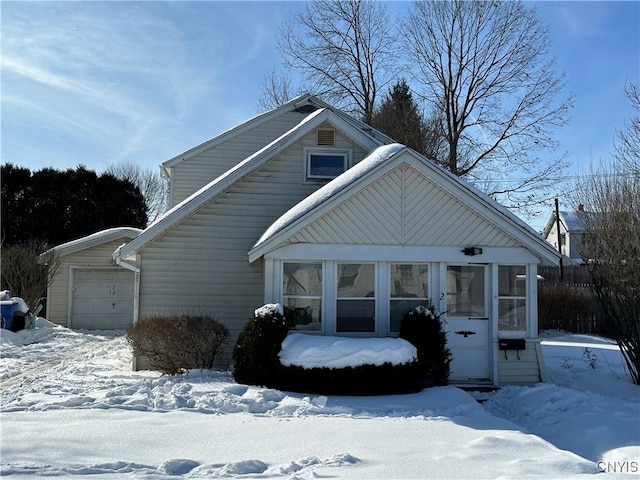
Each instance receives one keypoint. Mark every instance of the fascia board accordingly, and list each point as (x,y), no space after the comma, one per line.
(238,130)
(323,207)
(93,240)
(235,175)
(499,215)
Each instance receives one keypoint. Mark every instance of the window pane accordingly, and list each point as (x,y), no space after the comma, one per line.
(326,165)
(302,279)
(397,311)
(465,291)
(302,313)
(512,314)
(512,280)
(356,280)
(356,316)
(408,281)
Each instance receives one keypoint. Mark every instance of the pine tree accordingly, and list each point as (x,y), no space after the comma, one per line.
(399,117)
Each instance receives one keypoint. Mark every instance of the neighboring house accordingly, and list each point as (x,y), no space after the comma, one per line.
(569,237)
(313,209)
(88,289)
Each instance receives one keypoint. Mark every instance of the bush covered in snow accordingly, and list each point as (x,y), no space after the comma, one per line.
(423,328)
(385,379)
(348,366)
(178,342)
(255,355)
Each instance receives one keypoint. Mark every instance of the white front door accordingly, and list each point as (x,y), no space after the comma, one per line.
(467,322)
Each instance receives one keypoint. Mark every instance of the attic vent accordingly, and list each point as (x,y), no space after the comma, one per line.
(326,137)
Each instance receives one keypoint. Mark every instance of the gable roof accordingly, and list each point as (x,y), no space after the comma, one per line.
(304,103)
(382,160)
(574,221)
(355,130)
(94,240)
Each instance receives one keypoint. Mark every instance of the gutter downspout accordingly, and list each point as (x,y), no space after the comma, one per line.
(136,282)
(136,291)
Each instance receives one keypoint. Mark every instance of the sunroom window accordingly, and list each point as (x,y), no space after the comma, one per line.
(325,164)
(409,289)
(356,302)
(512,297)
(302,295)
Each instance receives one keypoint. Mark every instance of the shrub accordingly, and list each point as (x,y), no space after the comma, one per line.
(383,379)
(569,308)
(423,328)
(178,342)
(255,355)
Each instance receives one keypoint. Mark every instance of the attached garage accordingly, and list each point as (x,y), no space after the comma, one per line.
(88,290)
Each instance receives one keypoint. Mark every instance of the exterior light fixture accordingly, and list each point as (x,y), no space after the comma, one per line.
(471,251)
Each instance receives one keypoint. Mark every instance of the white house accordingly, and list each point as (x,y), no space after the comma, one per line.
(569,237)
(308,207)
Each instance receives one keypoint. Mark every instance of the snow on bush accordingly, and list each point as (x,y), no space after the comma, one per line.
(314,351)
(268,311)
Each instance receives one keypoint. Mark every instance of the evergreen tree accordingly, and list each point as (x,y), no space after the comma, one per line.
(399,117)
(53,206)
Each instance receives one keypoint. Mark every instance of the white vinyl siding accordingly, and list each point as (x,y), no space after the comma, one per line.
(403,208)
(524,367)
(201,264)
(194,173)
(58,293)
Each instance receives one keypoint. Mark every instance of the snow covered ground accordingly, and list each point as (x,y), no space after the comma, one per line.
(71,407)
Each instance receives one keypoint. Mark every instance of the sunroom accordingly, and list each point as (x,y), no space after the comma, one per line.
(395,232)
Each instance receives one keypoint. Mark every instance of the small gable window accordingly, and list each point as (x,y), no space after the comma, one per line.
(325,164)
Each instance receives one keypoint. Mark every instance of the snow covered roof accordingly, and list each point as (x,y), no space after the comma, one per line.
(305,211)
(93,240)
(379,156)
(236,174)
(574,221)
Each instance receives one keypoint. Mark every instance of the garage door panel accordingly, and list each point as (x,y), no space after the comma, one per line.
(102,299)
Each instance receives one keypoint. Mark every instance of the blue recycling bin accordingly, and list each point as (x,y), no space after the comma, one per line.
(8,309)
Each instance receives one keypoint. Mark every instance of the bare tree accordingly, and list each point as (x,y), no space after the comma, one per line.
(611,249)
(628,146)
(345,49)
(27,272)
(150,183)
(485,69)
(276,90)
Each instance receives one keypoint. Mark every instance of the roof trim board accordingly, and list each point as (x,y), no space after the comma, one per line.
(233,176)
(94,240)
(306,99)
(375,166)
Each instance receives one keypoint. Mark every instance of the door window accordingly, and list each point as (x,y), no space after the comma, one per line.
(466,291)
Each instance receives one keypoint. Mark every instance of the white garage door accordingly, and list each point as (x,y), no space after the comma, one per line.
(102,299)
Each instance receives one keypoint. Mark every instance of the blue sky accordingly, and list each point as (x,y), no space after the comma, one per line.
(96,83)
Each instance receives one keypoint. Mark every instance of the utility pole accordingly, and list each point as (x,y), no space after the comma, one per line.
(559,239)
